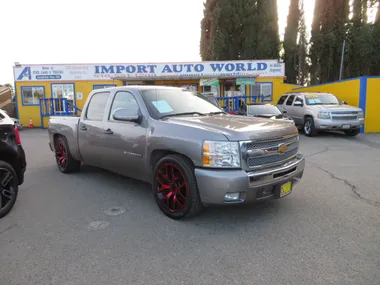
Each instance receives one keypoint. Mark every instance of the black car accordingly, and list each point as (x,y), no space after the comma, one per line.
(12,163)
(267,111)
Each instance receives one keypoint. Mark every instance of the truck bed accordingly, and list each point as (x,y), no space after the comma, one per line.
(68,127)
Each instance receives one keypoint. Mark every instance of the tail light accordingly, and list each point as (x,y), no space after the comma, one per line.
(17,135)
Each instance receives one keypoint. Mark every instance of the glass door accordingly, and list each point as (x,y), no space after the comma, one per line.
(63,91)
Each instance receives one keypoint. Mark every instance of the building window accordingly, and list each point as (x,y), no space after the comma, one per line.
(263,89)
(32,95)
(64,90)
(101,86)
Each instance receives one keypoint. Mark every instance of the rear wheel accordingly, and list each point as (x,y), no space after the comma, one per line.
(65,162)
(309,127)
(352,133)
(8,188)
(175,187)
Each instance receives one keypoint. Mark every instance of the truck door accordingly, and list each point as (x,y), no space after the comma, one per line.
(288,106)
(91,138)
(298,110)
(126,141)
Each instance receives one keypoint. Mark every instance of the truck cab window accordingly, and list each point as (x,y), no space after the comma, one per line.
(282,100)
(97,106)
(299,99)
(290,100)
(124,100)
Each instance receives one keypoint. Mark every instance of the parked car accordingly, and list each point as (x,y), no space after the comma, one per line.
(192,153)
(12,163)
(17,123)
(267,111)
(316,111)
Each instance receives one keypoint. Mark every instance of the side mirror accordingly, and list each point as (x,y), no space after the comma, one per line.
(126,116)
(344,102)
(298,104)
(283,111)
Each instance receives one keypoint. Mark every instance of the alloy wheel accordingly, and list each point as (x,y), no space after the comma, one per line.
(7,188)
(172,187)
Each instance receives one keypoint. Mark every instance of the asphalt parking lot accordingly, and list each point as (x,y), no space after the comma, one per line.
(95,227)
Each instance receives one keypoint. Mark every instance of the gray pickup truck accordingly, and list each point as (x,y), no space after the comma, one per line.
(192,152)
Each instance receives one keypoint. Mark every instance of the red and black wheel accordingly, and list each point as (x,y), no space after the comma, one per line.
(66,163)
(8,188)
(175,187)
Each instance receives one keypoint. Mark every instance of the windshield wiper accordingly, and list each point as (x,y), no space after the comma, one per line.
(216,113)
(182,114)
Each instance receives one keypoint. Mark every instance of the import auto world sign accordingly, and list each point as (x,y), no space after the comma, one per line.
(207,69)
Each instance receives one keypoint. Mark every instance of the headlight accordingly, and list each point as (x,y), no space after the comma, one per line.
(221,154)
(324,115)
(360,115)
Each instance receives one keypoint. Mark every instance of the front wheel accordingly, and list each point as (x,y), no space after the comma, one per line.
(8,188)
(352,133)
(309,127)
(175,188)
(65,162)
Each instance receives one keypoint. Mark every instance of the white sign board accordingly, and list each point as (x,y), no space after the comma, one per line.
(150,71)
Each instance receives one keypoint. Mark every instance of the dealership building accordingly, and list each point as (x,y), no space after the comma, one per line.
(73,82)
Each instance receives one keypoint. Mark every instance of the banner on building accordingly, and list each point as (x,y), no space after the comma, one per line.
(209,82)
(150,71)
(245,81)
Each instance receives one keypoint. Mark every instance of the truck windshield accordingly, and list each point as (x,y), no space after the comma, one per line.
(176,102)
(262,110)
(321,99)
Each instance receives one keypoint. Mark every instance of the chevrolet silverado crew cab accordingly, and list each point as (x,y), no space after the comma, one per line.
(314,111)
(192,153)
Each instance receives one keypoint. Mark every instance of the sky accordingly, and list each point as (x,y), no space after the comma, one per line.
(113,31)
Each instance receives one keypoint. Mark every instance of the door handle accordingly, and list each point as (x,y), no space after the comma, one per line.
(83,127)
(108,132)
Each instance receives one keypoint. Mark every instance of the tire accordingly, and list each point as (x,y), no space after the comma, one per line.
(352,133)
(65,162)
(170,172)
(8,188)
(309,127)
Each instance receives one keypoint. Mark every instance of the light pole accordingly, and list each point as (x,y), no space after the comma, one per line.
(342,59)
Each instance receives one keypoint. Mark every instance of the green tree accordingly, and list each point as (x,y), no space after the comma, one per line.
(328,33)
(316,43)
(266,28)
(291,49)
(239,29)
(303,64)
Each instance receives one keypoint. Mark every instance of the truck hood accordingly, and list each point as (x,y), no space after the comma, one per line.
(238,128)
(332,108)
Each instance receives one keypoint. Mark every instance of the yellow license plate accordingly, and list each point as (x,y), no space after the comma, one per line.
(286,189)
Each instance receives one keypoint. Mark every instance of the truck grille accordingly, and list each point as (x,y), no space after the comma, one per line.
(262,154)
(344,115)
(262,161)
(268,144)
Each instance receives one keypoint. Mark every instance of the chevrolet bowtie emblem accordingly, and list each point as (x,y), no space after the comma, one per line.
(282,148)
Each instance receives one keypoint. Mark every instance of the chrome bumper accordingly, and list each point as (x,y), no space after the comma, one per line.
(338,124)
(214,185)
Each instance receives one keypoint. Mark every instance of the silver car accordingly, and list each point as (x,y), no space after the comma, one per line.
(316,111)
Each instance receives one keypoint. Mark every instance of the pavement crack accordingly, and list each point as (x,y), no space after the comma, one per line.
(319,152)
(353,187)
(8,228)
